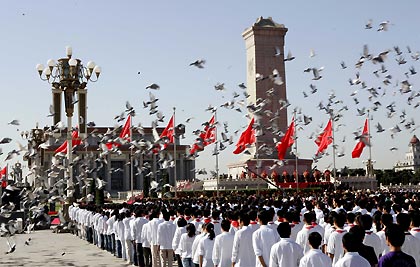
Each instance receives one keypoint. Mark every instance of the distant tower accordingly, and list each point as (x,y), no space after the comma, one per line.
(263,41)
(412,157)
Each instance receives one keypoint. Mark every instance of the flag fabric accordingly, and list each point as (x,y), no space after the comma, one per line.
(364,139)
(286,141)
(246,138)
(75,141)
(209,134)
(126,130)
(168,132)
(206,137)
(3,177)
(325,138)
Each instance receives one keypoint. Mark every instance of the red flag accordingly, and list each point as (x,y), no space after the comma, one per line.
(126,130)
(3,177)
(364,139)
(286,141)
(168,132)
(246,138)
(209,134)
(75,141)
(325,138)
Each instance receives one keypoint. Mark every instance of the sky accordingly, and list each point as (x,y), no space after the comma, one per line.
(159,39)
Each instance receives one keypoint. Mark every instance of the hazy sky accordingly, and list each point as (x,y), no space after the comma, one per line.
(160,38)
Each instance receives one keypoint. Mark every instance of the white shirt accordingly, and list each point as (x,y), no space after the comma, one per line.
(194,249)
(285,253)
(335,244)
(185,245)
(352,259)
(119,230)
(385,248)
(136,227)
(262,241)
(243,252)
(222,250)
(177,237)
(373,240)
(411,246)
(302,236)
(315,258)
(127,228)
(145,238)
(165,234)
(217,227)
(205,249)
(154,230)
(415,232)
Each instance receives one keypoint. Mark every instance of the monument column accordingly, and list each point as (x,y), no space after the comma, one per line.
(264,43)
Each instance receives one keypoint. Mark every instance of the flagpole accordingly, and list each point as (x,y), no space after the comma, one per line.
(296,154)
(217,153)
(332,130)
(131,159)
(369,167)
(174,134)
(257,166)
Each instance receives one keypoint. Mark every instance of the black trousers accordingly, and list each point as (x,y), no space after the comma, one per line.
(139,255)
(147,253)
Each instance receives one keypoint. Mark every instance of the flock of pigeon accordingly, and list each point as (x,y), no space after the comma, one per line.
(373,85)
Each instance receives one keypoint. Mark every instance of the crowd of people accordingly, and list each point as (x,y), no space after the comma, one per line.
(312,229)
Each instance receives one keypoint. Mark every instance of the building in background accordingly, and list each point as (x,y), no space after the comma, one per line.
(412,157)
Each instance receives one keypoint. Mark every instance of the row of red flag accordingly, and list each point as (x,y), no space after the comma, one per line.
(3,177)
(247,138)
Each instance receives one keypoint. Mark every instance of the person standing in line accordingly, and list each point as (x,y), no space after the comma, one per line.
(128,238)
(366,252)
(286,252)
(242,252)
(223,243)
(194,250)
(153,228)
(395,257)
(335,247)
(136,231)
(370,239)
(181,224)
(145,242)
(119,236)
(205,247)
(314,257)
(263,239)
(351,258)
(165,235)
(186,244)
(411,244)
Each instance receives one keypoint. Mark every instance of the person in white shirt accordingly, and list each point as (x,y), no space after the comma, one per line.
(223,244)
(205,247)
(165,234)
(286,252)
(415,224)
(145,243)
(351,258)
(119,236)
(411,244)
(128,238)
(335,245)
(314,257)
(371,239)
(302,236)
(186,244)
(136,226)
(153,228)
(263,239)
(181,224)
(242,252)
(215,215)
(386,220)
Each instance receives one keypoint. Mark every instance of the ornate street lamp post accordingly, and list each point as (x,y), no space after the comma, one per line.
(69,76)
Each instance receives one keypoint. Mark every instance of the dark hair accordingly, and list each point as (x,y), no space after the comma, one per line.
(210,231)
(181,222)
(415,218)
(190,229)
(386,219)
(315,239)
(359,232)
(225,224)
(377,220)
(403,220)
(395,235)
(244,218)
(309,217)
(264,217)
(350,242)
(284,230)
(365,221)
(350,217)
(340,220)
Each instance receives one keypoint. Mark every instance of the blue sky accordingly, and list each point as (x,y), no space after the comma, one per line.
(160,39)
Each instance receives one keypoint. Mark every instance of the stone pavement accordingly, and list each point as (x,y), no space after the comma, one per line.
(46,249)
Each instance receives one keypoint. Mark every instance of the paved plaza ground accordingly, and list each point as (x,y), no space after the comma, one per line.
(47,248)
